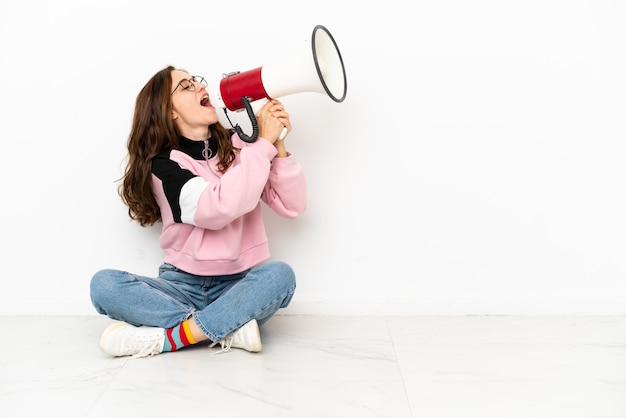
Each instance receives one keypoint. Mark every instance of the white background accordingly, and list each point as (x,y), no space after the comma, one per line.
(475,167)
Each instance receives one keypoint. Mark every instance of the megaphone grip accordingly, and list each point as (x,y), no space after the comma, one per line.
(283,134)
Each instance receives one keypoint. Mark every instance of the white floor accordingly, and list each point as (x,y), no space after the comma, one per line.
(312,366)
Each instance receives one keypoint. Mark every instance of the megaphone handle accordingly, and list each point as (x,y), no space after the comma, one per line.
(283,134)
(255,127)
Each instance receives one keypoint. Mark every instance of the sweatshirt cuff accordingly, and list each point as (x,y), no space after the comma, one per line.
(265,148)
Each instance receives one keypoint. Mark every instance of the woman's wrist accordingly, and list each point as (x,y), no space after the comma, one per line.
(280,147)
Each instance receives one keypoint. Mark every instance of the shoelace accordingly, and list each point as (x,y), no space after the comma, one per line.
(226,343)
(148,349)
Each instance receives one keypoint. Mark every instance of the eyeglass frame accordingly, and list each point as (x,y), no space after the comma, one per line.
(192,83)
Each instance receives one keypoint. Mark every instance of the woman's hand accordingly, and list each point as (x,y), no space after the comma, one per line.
(271,120)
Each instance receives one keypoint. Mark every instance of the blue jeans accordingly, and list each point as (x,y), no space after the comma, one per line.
(218,304)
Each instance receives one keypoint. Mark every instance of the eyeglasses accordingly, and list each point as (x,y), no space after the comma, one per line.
(189,84)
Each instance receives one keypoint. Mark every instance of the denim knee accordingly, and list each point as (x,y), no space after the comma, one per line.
(284,275)
(102,284)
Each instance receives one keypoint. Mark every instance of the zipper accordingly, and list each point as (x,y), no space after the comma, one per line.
(207,153)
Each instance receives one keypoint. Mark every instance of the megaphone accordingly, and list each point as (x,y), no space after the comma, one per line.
(318,70)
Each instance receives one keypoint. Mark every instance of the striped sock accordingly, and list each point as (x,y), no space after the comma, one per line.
(178,337)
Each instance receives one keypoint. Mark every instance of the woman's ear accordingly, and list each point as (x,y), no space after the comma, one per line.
(174,115)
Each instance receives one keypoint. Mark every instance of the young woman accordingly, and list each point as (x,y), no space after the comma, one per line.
(205,185)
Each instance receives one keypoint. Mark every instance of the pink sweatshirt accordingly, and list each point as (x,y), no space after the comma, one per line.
(212,222)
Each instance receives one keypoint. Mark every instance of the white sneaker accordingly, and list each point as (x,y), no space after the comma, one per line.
(122,339)
(247,337)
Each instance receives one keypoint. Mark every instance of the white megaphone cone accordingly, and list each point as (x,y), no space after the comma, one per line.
(318,68)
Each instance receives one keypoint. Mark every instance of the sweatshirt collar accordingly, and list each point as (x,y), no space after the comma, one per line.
(196,149)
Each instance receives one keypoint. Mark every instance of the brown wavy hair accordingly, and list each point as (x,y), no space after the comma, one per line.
(153,132)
